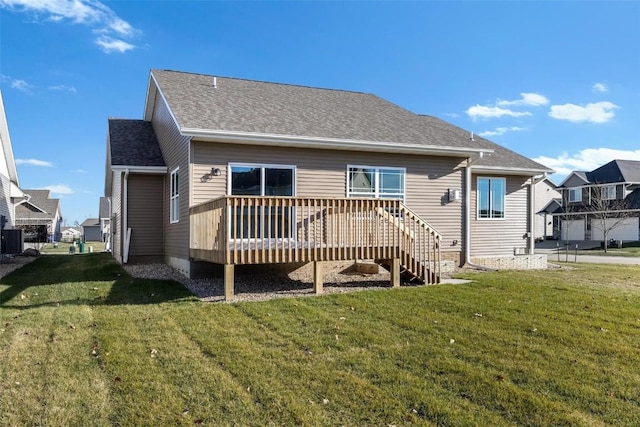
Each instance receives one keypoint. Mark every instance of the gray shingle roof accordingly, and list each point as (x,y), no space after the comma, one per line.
(246,106)
(134,143)
(614,171)
(501,157)
(41,200)
(90,222)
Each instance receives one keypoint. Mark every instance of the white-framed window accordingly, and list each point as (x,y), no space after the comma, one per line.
(246,179)
(376,182)
(174,196)
(608,192)
(575,194)
(491,198)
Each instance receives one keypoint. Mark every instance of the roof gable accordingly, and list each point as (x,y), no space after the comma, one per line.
(133,143)
(38,205)
(247,110)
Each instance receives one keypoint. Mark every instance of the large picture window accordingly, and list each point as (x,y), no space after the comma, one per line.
(375,182)
(174,200)
(262,180)
(491,195)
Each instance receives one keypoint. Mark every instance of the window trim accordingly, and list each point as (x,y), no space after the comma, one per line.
(504,198)
(376,190)
(606,189)
(576,190)
(174,211)
(262,167)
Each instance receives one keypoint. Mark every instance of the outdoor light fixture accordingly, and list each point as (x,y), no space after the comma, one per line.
(215,172)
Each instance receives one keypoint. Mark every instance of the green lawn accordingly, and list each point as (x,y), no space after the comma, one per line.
(82,343)
(63,248)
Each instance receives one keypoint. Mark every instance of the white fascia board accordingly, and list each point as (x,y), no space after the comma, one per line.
(152,89)
(140,169)
(509,171)
(274,140)
(15,192)
(569,176)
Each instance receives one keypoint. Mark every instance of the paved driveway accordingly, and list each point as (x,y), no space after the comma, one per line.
(550,247)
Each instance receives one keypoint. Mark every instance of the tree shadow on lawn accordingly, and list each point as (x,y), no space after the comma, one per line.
(87,279)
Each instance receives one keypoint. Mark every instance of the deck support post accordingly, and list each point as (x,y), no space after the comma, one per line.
(318,276)
(395,272)
(229,281)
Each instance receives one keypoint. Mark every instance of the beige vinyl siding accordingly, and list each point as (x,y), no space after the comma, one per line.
(499,237)
(322,173)
(145,217)
(116,216)
(175,150)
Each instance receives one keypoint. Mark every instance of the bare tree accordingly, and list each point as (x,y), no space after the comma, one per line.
(607,211)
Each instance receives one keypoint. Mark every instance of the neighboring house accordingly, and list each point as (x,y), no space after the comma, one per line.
(232,172)
(602,196)
(104,212)
(547,200)
(70,234)
(39,216)
(91,231)
(10,192)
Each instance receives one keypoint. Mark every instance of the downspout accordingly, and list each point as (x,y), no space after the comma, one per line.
(125,215)
(467,215)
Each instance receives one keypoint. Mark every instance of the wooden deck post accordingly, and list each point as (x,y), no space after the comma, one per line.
(395,272)
(228,281)
(318,276)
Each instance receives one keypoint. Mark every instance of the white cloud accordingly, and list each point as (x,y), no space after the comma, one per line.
(34,162)
(59,189)
(109,44)
(500,131)
(92,13)
(486,111)
(77,171)
(600,87)
(63,88)
(22,85)
(596,112)
(586,160)
(529,99)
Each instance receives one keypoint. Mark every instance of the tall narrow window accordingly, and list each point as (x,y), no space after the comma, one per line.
(174,203)
(379,183)
(491,195)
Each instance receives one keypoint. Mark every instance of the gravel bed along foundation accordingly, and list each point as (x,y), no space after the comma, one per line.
(260,287)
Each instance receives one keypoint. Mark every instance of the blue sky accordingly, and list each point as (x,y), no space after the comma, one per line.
(556,81)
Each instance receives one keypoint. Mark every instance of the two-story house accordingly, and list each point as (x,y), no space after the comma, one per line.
(602,202)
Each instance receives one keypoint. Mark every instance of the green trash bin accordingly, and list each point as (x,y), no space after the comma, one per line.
(81,246)
(72,249)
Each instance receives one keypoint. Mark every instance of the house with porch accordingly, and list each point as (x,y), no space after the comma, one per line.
(39,216)
(603,201)
(233,172)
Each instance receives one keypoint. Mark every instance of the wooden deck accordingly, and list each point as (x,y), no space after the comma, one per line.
(235,230)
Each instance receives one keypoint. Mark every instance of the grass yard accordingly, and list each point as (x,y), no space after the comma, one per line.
(61,248)
(82,343)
